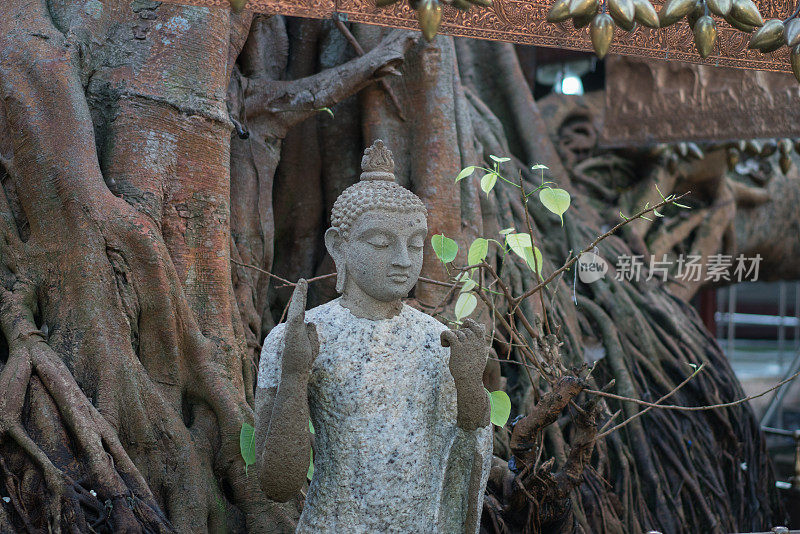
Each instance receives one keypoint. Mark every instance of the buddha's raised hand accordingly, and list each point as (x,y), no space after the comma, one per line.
(468,354)
(302,343)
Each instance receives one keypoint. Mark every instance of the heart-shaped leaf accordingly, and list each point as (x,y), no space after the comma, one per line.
(467,171)
(465,305)
(555,200)
(487,182)
(445,248)
(469,285)
(533,257)
(247,445)
(500,407)
(499,159)
(518,243)
(477,251)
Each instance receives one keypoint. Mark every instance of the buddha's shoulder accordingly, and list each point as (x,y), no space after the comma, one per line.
(331,312)
(423,320)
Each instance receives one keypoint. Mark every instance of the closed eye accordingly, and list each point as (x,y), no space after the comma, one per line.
(378,242)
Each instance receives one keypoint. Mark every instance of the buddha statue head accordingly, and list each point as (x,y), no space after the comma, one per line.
(377,233)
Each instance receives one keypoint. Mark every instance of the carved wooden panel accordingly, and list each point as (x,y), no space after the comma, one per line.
(659,101)
(523,22)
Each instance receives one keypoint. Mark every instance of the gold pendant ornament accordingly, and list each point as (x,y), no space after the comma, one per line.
(601,31)
(705,35)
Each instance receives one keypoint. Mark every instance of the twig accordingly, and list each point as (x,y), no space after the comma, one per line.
(536,267)
(655,404)
(360,51)
(259,269)
(569,264)
(324,276)
(694,408)
(286,283)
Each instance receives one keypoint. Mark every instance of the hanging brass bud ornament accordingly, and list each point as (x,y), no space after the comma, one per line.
(674,10)
(705,35)
(792,32)
(601,32)
(582,8)
(719,7)
(697,11)
(746,12)
(238,5)
(429,12)
(794,59)
(770,34)
(622,11)
(430,18)
(559,12)
(738,25)
(645,14)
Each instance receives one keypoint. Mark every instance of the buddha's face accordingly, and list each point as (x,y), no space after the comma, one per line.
(382,254)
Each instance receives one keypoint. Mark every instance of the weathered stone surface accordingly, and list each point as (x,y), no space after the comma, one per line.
(389,455)
(403,440)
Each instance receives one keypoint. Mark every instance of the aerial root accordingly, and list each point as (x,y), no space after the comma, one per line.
(128,505)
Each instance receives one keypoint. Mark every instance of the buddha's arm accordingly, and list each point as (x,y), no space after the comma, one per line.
(468,355)
(473,405)
(287,443)
(284,458)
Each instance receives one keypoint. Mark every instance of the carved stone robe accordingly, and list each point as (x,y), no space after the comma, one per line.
(388,455)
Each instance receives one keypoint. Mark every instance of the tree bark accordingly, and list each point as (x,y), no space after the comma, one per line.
(148,150)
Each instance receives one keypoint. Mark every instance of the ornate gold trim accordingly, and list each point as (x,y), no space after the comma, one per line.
(523,22)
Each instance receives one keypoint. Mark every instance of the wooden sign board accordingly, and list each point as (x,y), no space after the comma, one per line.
(523,22)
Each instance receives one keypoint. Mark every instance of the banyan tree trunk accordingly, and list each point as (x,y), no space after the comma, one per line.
(149,150)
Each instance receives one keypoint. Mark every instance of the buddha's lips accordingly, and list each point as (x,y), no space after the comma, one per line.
(398,277)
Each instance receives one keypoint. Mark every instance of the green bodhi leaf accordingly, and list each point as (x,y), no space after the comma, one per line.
(310,473)
(506,231)
(477,251)
(522,247)
(500,407)
(555,200)
(465,172)
(247,445)
(469,285)
(539,166)
(487,182)
(518,243)
(444,247)
(498,159)
(534,259)
(465,305)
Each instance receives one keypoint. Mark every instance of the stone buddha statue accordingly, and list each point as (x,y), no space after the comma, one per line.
(403,441)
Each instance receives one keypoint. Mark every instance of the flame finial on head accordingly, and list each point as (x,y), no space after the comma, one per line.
(377,163)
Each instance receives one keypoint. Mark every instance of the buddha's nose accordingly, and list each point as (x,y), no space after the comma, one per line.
(401,258)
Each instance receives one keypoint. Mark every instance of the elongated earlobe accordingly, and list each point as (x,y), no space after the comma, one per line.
(333,242)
